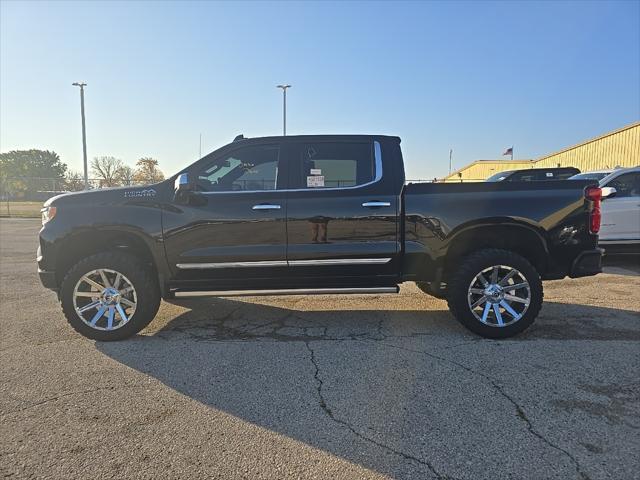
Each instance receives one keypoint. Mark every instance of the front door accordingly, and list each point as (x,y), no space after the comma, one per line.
(234,228)
(342,214)
(621,213)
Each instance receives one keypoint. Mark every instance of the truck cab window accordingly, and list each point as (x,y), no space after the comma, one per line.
(245,169)
(336,165)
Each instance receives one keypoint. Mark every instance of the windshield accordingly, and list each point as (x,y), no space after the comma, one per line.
(590,176)
(500,176)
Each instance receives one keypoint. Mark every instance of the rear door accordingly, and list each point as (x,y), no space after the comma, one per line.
(342,215)
(621,213)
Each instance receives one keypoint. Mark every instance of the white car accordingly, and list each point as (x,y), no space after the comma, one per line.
(620,212)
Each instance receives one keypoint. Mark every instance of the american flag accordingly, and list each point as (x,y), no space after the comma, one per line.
(508,151)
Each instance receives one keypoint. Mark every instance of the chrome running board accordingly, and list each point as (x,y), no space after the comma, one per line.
(286,291)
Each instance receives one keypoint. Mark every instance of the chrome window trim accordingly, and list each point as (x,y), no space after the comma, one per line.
(377,156)
(285,263)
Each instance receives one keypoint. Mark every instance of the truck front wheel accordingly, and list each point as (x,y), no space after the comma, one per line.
(495,293)
(109,296)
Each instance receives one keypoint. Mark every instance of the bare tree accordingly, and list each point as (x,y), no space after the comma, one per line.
(126,175)
(106,170)
(74,181)
(147,171)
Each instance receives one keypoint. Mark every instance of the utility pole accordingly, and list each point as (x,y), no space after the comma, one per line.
(84,133)
(284,107)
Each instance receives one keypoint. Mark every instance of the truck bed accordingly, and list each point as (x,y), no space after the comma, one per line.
(435,214)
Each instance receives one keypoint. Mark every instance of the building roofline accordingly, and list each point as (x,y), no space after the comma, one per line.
(533,162)
(595,139)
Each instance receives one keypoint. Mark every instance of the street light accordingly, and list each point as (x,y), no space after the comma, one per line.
(284,107)
(84,132)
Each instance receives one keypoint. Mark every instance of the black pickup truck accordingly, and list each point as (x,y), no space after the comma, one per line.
(320,214)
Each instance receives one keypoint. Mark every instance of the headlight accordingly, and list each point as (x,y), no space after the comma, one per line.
(47,214)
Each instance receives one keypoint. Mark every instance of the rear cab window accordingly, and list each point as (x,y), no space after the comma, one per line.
(333,165)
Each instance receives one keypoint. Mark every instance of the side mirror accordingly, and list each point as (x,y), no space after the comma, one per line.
(182,183)
(608,192)
(185,191)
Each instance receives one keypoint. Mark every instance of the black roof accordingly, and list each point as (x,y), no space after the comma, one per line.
(336,137)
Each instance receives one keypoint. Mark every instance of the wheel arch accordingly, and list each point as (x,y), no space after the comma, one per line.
(520,238)
(81,244)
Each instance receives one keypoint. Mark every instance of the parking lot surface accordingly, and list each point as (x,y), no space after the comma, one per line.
(387,386)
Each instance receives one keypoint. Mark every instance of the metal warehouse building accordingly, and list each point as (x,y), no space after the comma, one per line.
(620,148)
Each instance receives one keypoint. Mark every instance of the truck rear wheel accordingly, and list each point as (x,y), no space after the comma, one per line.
(495,293)
(109,296)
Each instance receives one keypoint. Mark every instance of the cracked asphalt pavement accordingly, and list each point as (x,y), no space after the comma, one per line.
(386,386)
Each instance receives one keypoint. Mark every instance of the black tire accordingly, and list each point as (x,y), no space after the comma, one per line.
(146,287)
(475,263)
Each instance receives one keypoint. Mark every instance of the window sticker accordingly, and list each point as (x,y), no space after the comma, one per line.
(314,181)
(316,171)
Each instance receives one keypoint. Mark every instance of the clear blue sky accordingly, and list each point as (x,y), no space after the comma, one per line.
(476,77)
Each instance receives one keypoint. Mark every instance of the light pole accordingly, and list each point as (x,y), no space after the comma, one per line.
(84,133)
(284,107)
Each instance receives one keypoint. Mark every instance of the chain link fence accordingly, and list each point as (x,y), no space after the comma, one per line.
(42,188)
(24,196)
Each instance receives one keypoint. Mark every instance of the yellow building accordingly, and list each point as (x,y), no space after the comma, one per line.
(620,148)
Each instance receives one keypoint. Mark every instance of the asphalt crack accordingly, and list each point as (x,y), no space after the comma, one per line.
(327,410)
(275,330)
(64,395)
(519,410)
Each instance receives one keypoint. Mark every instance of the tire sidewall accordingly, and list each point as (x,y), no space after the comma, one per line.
(474,264)
(147,292)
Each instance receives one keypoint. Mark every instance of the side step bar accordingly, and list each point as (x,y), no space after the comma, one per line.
(287,291)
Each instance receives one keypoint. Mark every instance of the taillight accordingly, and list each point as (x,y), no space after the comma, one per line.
(595,195)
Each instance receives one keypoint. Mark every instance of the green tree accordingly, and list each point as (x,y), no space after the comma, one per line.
(23,172)
(147,171)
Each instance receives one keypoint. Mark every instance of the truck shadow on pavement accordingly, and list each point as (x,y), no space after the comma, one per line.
(228,319)
(373,387)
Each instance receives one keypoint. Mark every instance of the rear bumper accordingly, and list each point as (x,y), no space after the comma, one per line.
(587,263)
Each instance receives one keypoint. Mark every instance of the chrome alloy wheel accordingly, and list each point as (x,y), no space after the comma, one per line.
(499,296)
(104,299)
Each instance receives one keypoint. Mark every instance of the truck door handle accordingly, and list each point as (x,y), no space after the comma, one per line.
(265,206)
(376,204)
